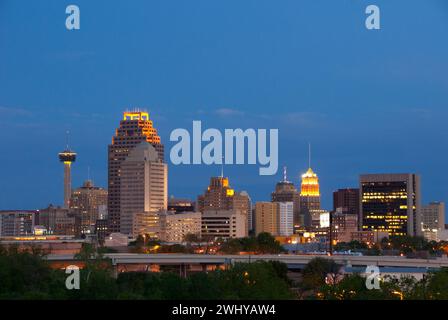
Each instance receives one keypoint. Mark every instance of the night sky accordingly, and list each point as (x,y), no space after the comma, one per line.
(367,101)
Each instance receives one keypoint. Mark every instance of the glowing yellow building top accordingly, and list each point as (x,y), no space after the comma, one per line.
(310,184)
(135,115)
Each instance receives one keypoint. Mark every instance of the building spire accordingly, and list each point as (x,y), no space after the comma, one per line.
(284,174)
(222,167)
(309,155)
(67,136)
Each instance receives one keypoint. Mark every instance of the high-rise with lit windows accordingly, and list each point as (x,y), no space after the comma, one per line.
(220,196)
(143,187)
(285,191)
(134,128)
(91,201)
(309,195)
(390,203)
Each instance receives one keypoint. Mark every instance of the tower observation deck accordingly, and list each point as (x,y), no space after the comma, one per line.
(67,157)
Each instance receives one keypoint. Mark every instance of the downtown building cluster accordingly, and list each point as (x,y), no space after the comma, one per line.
(136,203)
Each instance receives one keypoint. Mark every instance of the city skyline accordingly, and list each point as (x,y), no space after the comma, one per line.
(223,168)
(373,106)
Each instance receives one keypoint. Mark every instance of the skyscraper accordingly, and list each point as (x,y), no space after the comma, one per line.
(285,218)
(266,217)
(309,195)
(285,191)
(245,199)
(67,157)
(134,128)
(90,201)
(143,187)
(220,196)
(390,203)
(347,200)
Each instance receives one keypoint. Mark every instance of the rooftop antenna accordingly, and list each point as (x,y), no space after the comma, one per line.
(284,174)
(222,167)
(67,136)
(309,155)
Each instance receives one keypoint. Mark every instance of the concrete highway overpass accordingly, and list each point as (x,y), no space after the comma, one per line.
(292,261)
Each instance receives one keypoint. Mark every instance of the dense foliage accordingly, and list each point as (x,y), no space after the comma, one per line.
(263,243)
(406,245)
(26,275)
(433,286)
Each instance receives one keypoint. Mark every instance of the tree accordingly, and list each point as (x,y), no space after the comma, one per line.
(231,246)
(268,244)
(353,287)
(314,273)
(258,280)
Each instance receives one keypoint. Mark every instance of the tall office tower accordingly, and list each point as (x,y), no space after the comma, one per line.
(309,195)
(134,128)
(433,220)
(347,200)
(241,202)
(220,196)
(266,217)
(91,202)
(67,157)
(285,191)
(143,186)
(247,208)
(285,218)
(390,203)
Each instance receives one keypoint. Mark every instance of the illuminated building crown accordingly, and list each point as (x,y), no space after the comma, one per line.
(310,184)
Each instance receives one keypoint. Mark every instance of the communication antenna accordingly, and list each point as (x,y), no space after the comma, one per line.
(222,167)
(309,155)
(67,138)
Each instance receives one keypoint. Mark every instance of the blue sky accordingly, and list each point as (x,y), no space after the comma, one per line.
(368,101)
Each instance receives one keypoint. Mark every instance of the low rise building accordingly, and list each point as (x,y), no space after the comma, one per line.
(224,224)
(15,223)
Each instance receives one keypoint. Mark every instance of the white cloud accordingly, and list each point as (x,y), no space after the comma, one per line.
(227,112)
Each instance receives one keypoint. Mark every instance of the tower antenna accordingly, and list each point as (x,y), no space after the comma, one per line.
(309,155)
(284,174)
(222,167)
(67,135)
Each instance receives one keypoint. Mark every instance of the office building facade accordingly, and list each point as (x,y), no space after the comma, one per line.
(346,200)
(223,224)
(91,202)
(390,203)
(134,128)
(143,185)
